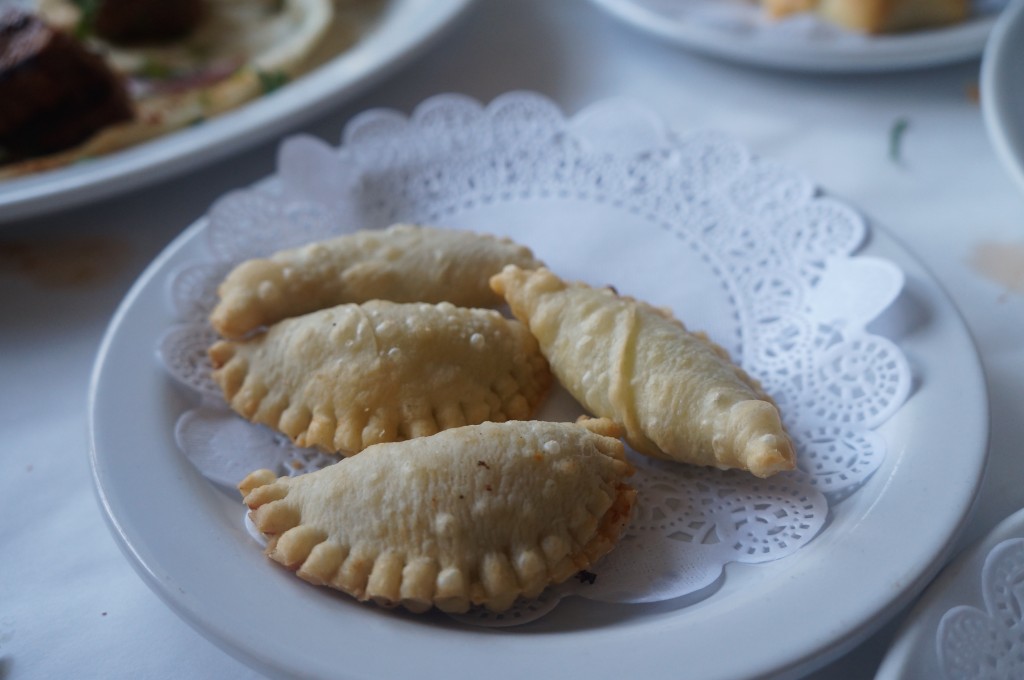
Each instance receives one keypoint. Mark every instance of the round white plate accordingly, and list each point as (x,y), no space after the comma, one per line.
(1002,89)
(403,28)
(914,653)
(884,543)
(739,32)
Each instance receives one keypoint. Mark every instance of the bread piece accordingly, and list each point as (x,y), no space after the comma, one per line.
(676,393)
(877,16)
(477,515)
(350,376)
(404,263)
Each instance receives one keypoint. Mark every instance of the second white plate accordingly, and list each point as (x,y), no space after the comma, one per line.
(969,586)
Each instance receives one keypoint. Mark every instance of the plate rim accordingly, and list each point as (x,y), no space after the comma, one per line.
(810,656)
(889,52)
(256,121)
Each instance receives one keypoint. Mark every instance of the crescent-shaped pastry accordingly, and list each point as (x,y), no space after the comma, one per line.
(403,263)
(676,393)
(477,515)
(350,376)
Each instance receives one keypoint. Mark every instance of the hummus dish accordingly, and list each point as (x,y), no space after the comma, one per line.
(88,77)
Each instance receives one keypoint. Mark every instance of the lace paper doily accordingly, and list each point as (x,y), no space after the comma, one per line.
(988,645)
(738,246)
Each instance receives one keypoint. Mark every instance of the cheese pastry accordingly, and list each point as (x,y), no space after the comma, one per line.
(477,515)
(676,393)
(877,16)
(404,263)
(353,375)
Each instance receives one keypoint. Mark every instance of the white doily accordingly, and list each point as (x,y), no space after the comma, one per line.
(738,246)
(988,645)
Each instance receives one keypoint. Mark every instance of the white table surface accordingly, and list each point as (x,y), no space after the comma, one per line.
(72,606)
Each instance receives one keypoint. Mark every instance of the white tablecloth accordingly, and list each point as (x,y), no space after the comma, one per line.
(72,606)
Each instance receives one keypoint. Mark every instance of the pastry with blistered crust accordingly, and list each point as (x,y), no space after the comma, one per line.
(477,515)
(677,393)
(403,263)
(350,376)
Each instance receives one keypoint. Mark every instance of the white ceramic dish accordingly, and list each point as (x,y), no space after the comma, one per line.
(403,28)
(186,538)
(914,653)
(739,33)
(1002,90)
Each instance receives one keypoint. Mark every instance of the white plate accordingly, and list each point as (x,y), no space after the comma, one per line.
(186,538)
(738,32)
(403,28)
(1002,89)
(914,653)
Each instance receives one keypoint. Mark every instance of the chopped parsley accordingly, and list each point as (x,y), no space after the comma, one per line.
(272,80)
(896,133)
(154,69)
(87,20)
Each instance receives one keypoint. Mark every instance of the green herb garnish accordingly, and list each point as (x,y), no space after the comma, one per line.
(272,80)
(899,128)
(155,70)
(87,21)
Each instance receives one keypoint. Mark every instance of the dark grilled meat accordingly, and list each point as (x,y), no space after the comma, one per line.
(54,93)
(129,22)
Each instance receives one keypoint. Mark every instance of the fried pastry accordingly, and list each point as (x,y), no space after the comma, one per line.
(404,263)
(350,376)
(676,393)
(477,515)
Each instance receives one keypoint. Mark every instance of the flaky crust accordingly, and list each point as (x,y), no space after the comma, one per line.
(477,515)
(350,376)
(404,263)
(676,393)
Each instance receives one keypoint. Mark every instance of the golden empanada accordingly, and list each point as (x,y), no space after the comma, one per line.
(403,263)
(477,515)
(353,375)
(677,393)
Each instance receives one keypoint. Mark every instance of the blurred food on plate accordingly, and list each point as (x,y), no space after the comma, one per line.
(80,79)
(876,16)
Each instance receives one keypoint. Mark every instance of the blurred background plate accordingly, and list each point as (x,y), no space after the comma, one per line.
(401,30)
(1002,89)
(915,651)
(738,31)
